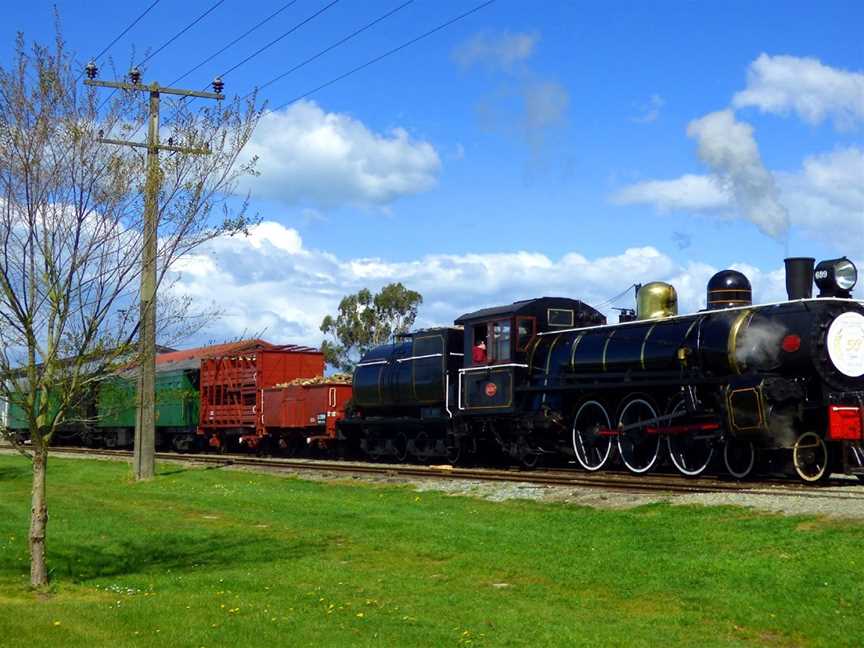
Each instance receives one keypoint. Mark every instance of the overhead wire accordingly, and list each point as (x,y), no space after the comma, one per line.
(259,51)
(121,35)
(279,38)
(318,55)
(386,54)
(182,31)
(261,23)
(128,28)
(201,17)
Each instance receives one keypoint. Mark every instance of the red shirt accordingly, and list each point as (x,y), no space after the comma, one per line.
(478,354)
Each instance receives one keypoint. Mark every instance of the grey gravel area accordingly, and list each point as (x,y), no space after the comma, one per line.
(842,501)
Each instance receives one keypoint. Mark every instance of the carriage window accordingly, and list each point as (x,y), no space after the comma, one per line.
(524,332)
(560,317)
(500,346)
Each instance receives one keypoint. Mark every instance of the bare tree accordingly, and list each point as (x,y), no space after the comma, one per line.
(71,234)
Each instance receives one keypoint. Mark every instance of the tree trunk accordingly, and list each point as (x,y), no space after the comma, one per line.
(38,518)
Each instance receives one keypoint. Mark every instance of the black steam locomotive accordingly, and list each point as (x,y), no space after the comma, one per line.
(729,385)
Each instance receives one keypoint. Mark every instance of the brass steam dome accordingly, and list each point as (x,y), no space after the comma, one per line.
(655,300)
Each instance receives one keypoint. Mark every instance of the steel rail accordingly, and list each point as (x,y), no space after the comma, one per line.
(609,481)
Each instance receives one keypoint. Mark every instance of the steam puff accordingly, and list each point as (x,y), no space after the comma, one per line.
(728,148)
(759,345)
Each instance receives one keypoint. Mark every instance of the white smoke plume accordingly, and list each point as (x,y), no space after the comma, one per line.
(727,146)
(759,345)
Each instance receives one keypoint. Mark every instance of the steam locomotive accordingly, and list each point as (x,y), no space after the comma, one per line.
(731,386)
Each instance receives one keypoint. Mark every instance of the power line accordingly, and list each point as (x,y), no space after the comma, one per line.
(235,41)
(276,40)
(125,31)
(265,47)
(386,54)
(356,32)
(166,44)
(121,35)
(182,31)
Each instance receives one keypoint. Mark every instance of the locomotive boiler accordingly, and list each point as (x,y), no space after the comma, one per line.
(550,376)
(733,379)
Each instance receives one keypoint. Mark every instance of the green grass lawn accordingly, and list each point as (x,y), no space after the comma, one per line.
(214,557)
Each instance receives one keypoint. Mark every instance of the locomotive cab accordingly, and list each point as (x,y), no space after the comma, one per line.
(498,342)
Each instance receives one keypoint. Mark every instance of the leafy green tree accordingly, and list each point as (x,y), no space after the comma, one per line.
(366,320)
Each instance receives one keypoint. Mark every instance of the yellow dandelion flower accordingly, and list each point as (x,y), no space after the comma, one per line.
(56,623)
(360,615)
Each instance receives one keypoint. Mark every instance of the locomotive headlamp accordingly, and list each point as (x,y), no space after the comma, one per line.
(836,277)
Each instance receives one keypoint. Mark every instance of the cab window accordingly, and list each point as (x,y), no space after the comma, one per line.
(525,329)
(479,345)
(500,344)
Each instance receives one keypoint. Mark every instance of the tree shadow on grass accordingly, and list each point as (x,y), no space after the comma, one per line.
(175,552)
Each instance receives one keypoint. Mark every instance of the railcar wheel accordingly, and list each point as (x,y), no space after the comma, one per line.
(639,450)
(592,449)
(454,450)
(529,460)
(400,448)
(739,457)
(810,458)
(690,456)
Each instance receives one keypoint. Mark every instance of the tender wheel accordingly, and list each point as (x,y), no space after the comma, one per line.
(810,458)
(592,449)
(689,454)
(739,457)
(639,450)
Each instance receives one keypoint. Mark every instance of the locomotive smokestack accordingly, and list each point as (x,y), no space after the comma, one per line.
(799,277)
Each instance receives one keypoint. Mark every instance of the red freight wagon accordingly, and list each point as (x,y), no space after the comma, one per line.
(232,387)
(303,415)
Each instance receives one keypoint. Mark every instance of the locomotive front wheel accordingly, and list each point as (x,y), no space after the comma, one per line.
(639,449)
(810,458)
(739,457)
(690,455)
(592,449)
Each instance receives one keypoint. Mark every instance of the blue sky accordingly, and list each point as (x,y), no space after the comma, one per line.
(531,148)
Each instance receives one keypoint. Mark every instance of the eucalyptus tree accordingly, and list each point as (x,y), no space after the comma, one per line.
(365,320)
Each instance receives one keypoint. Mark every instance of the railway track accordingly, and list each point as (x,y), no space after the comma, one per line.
(611,481)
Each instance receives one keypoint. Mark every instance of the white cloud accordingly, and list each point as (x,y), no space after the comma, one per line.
(650,111)
(814,91)
(825,196)
(262,285)
(284,294)
(687,193)
(525,104)
(502,50)
(545,105)
(727,146)
(306,155)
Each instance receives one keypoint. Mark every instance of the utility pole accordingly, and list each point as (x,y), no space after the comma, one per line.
(145,421)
